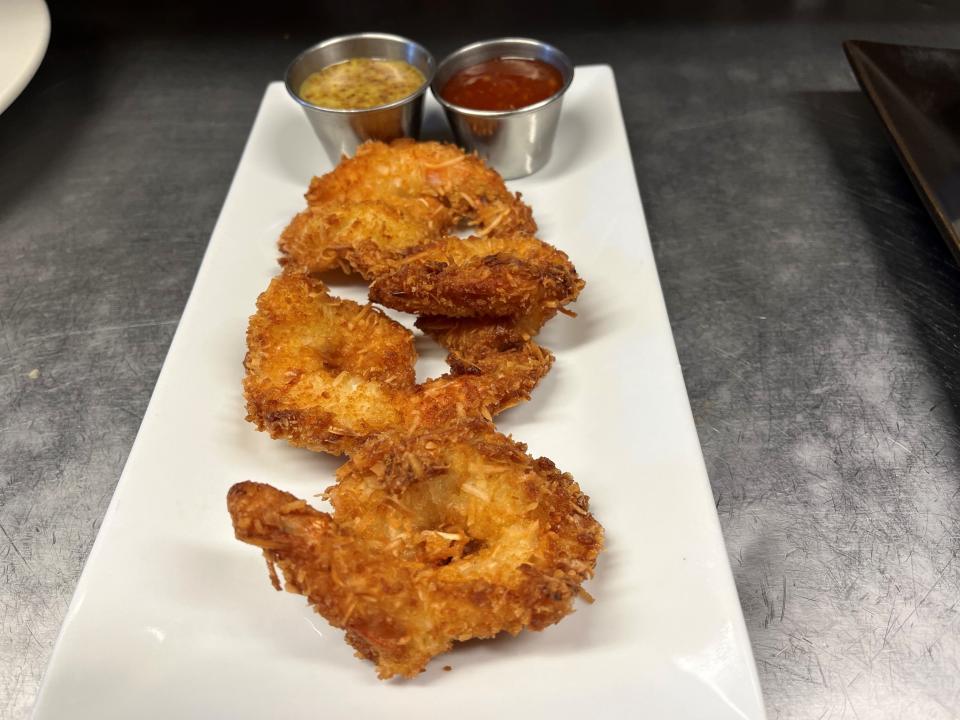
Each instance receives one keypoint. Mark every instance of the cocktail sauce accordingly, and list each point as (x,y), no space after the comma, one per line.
(502,84)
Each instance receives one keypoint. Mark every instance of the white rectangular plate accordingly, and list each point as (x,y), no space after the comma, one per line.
(173,618)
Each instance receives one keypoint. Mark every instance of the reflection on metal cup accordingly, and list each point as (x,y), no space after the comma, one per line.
(341,131)
(482,127)
(515,143)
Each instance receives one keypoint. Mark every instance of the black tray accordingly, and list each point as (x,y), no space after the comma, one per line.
(916,91)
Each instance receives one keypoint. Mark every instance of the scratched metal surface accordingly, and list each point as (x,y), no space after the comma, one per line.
(816,313)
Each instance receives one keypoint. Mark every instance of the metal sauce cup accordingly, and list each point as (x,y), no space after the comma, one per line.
(518,142)
(341,131)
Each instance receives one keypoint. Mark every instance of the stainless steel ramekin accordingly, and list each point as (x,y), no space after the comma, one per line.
(514,142)
(341,131)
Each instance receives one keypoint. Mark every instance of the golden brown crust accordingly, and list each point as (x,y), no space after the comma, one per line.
(390,197)
(494,363)
(475,194)
(322,372)
(500,276)
(328,374)
(387,214)
(443,529)
(360,237)
(470,338)
(437,536)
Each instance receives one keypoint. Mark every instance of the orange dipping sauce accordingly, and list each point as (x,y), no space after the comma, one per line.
(502,84)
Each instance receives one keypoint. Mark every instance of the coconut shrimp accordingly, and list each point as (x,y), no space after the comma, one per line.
(435,537)
(321,372)
(389,197)
(442,529)
(328,374)
(361,237)
(437,173)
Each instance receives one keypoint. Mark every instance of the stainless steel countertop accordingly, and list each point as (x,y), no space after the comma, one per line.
(815,309)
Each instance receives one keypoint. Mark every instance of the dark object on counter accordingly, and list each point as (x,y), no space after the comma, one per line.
(916,91)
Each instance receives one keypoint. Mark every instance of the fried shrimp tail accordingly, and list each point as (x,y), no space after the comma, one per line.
(436,537)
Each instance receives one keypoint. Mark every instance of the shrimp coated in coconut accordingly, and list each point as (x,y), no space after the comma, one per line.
(436,536)
(360,237)
(328,374)
(389,197)
(442,529)
(322,372)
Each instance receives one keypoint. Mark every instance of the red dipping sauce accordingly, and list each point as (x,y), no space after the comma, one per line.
(502,84)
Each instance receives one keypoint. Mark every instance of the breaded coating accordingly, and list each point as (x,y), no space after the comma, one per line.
(322,372)
(391,197)
(494,363)
(480,390)
(361,237)
(442,529)
(497,276)
(327,374)
(437,536)
(388,214)
(468,338)
(474,193)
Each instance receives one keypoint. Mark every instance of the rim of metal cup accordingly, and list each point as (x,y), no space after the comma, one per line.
(566,71)
(428,76)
